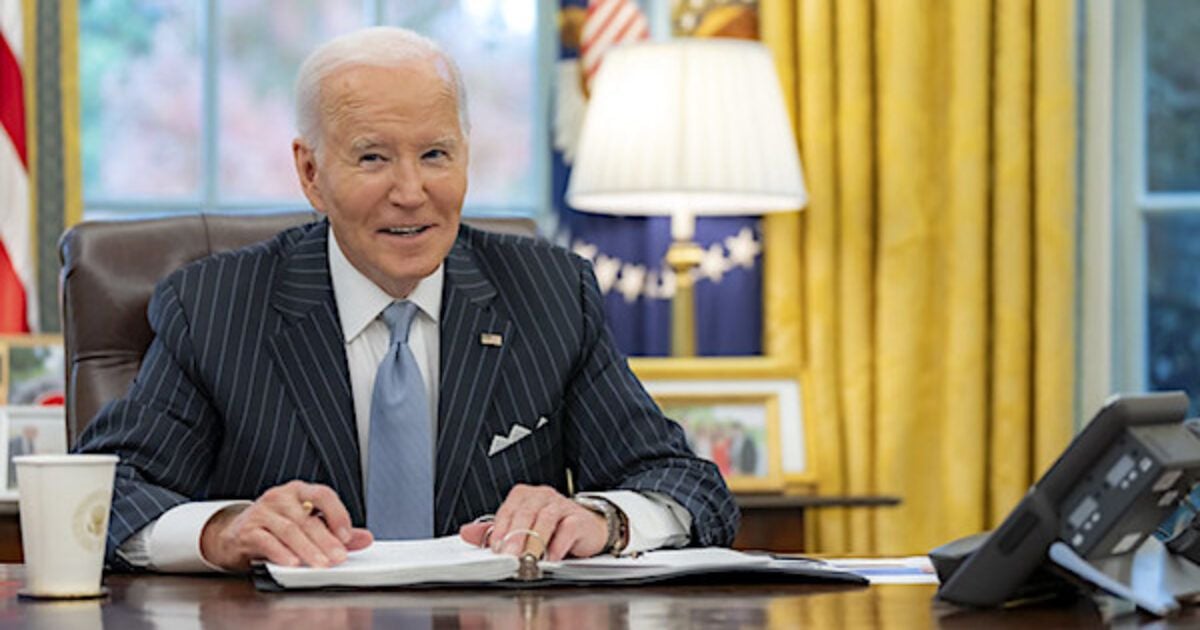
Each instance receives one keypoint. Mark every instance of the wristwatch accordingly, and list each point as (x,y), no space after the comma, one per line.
(614,518)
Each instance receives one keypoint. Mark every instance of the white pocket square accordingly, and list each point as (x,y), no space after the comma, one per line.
(501,442)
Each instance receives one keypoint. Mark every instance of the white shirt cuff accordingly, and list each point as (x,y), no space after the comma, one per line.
(655,520)
(174,539)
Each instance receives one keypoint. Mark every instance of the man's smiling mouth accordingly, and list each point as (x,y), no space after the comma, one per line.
(406,231)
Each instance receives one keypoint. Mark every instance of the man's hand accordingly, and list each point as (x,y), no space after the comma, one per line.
(278,527)
(566,527)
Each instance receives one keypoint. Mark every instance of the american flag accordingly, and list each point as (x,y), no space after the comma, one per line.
(16,255)
(609,23)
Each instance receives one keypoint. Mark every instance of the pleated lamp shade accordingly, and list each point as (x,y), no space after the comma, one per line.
(687,126)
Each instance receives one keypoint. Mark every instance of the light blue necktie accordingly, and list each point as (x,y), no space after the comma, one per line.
(400,448)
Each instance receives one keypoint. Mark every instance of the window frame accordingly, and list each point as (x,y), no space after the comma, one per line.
(209,199)
(1117,203)
(1096,333)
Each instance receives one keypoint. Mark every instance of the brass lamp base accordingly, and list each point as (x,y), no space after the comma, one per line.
(683,256)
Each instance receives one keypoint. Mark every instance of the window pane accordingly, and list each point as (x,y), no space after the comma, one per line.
(494,43)
(1173,315)
(1173,95)
(261,47)
(140,95)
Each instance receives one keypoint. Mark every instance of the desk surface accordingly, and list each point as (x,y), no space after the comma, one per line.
(153,601)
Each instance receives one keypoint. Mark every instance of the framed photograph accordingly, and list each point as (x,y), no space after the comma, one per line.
(716,413)
(32,370)
(737,432)
(31,431)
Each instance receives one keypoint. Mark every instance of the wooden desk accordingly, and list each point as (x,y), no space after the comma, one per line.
(153,601)
(776,523)
(10,534)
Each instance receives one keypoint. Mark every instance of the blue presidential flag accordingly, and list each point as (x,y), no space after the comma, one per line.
(627,252)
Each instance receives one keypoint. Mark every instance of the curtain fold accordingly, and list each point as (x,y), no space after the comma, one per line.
(52,128)
(938,140)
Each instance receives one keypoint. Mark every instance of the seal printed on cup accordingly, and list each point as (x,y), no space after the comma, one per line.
(91,520)
(65,502)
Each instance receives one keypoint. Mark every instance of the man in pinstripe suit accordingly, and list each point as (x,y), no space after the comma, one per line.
(245,433)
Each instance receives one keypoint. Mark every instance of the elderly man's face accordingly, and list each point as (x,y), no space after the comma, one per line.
(391,172)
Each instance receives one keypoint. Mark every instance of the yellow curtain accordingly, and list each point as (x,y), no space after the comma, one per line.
(938,140)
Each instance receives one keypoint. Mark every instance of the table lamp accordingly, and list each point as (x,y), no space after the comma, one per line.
(687,128)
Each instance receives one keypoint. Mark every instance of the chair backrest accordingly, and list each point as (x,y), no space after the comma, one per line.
(109,271)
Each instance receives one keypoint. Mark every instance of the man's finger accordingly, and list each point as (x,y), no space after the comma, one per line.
(324,499)
(318,532)
(540,516)
(512,541)
(473,533)
(507,508)
(546,525)
(293,535)
(359,539)
(263,544)
(566,536)
(503,522)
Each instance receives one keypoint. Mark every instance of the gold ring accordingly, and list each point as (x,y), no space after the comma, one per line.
(307,506)
(487,537)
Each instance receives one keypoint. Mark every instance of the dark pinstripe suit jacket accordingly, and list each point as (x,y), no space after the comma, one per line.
(246,386)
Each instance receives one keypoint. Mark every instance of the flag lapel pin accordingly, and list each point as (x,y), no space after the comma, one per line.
(491,339)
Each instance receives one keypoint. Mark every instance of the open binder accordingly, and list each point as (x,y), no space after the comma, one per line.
(451,562)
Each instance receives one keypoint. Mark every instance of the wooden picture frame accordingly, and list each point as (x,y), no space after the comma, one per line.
(738,432)
(32,370)
(794,436)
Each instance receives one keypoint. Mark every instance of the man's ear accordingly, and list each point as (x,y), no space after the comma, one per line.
(306,169)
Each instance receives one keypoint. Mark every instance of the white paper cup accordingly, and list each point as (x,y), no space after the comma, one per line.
(65,501)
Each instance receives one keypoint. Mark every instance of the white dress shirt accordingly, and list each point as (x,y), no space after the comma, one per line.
(171,543)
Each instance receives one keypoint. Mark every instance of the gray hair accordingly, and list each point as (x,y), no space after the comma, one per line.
(379,46)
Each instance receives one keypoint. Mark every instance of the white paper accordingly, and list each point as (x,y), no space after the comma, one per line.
(450,559)
(400,562)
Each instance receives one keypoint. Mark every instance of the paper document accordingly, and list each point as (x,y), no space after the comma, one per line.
(450,560)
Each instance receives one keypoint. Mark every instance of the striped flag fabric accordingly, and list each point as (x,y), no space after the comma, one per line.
(17,303)
(609,23)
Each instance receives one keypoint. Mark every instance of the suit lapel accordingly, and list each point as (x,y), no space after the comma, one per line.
(311,360)
(468,372)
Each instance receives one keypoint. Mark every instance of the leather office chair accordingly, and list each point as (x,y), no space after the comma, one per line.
(109,271)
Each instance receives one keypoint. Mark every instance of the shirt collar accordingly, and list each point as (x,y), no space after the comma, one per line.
(360,301)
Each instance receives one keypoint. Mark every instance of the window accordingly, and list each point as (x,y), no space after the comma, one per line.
(187,106)
(1156,196)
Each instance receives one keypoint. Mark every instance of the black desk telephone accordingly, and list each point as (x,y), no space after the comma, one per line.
(1113,486)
